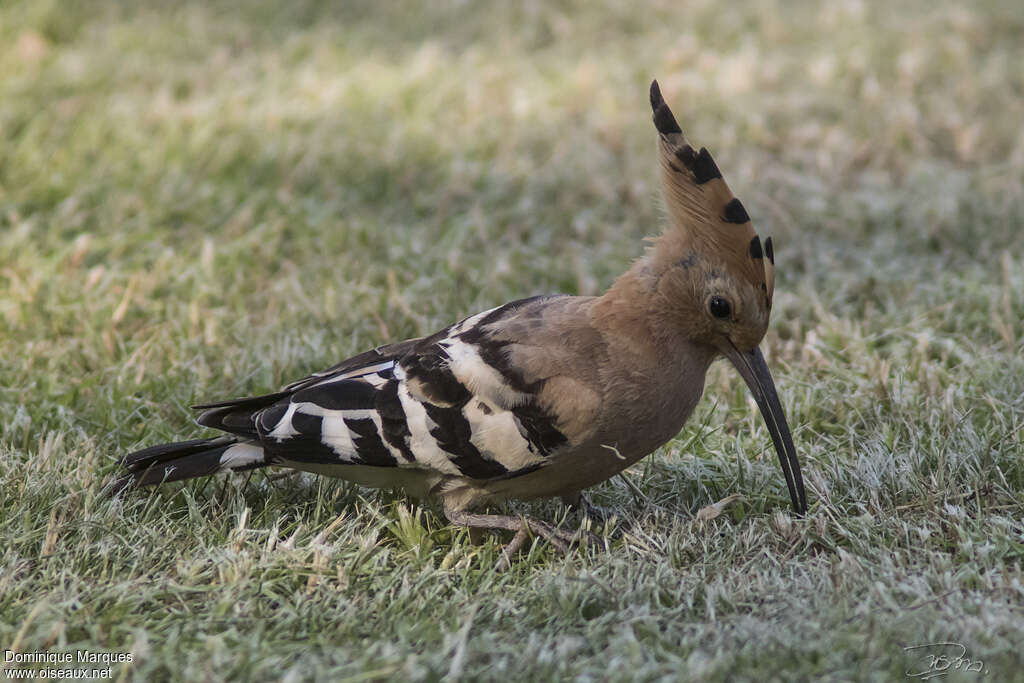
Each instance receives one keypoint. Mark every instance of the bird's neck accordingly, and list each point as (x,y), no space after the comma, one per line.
(655,360)
(632,308)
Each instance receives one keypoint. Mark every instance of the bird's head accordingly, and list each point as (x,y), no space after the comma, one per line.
(715,277)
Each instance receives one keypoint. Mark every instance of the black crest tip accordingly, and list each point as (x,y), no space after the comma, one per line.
(704,167)
(769,250)
(656,99)
(735,213)
(664,121)
(755,248)
(686,155)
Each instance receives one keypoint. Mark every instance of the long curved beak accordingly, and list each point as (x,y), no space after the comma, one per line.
(754,371)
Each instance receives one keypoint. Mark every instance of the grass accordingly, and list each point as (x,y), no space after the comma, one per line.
(210,201)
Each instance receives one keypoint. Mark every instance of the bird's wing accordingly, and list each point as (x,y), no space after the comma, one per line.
(238,415)
(361,364)
(455,403)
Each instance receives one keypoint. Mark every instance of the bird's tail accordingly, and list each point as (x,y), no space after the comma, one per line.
(189,459)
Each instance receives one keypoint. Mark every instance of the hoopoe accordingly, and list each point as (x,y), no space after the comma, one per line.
(539,397)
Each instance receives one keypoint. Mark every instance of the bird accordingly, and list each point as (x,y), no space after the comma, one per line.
(541,397)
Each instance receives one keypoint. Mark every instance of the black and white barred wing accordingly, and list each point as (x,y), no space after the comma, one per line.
(448,404)
(325,418)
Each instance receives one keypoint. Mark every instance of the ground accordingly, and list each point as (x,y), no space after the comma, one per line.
(210,201)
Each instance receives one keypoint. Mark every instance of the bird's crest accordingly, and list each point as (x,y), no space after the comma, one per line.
(704,211)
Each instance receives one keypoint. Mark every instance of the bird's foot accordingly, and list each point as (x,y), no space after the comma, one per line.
(524,527)
(581,503)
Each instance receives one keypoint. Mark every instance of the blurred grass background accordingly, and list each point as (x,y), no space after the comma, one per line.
(209,200)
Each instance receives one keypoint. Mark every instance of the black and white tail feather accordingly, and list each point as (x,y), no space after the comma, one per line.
(447,404)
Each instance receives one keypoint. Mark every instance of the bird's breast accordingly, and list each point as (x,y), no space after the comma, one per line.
(639,414)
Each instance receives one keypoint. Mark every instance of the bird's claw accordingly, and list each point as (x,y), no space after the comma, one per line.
(562,539)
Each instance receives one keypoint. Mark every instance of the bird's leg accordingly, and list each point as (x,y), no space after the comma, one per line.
(278,476)
(523,526)
(579,501)
(511,549)
(476,535)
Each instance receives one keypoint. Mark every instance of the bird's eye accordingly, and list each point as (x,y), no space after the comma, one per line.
(719,307)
